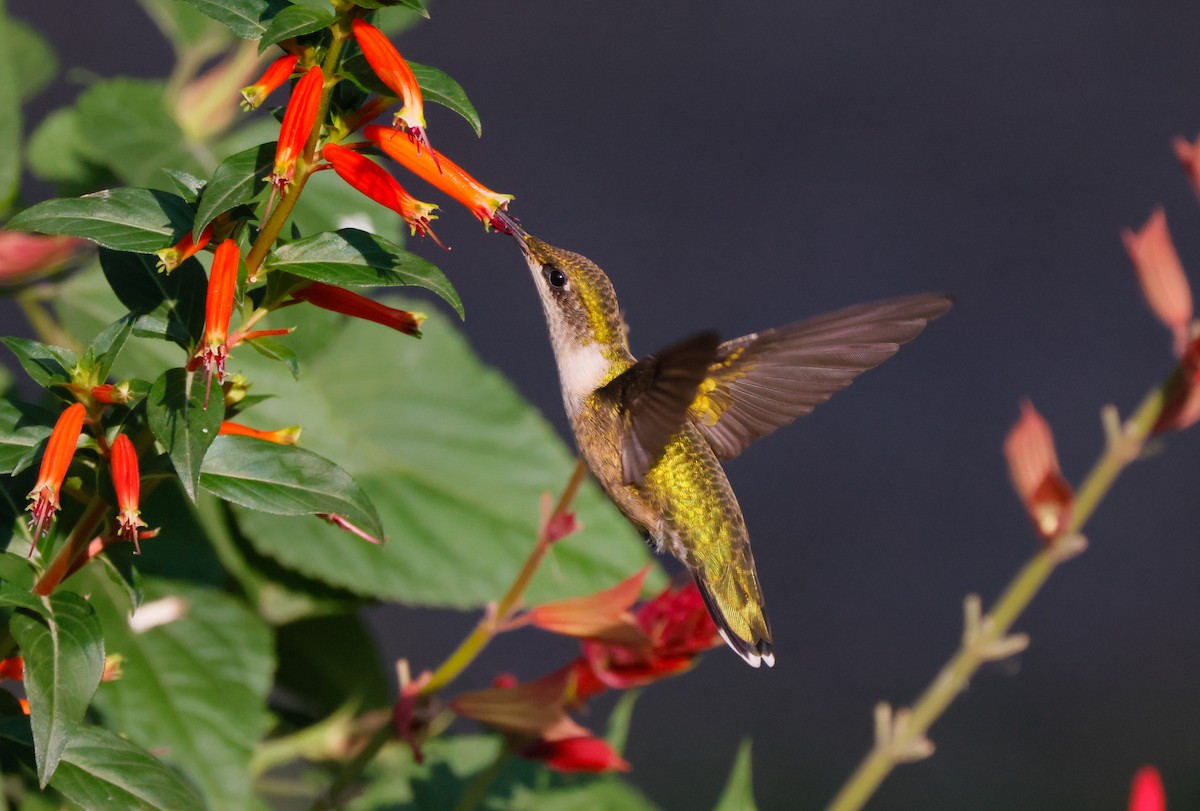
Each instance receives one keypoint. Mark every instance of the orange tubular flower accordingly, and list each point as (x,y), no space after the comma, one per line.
(1161,276)
(375,182)
(394,72)
(280,436)
(127,482)
(441,172)
(338,300)
(57,459)
(218,307)
(1033,467)
(298,122)
(1146,793)
(176,255)
(276,74)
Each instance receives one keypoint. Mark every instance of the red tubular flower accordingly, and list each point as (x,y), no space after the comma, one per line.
(679,629)
(110,394)
(1146,793)
(218,307)
(127,482)
(441,172)
(298,122)
(12,668)
(580,754)
(59,450)
(602,617)
(1161,276)
(1033,467)
(375,182)
(394,72)
(280,436)
(176,255)
(338,300)
(26,256)
(276,74)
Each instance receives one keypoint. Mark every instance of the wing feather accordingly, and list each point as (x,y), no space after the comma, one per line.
(763,381)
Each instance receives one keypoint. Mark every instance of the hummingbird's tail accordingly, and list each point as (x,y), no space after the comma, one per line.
(735,602)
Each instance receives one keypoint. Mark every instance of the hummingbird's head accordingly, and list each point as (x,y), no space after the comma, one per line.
(578,299)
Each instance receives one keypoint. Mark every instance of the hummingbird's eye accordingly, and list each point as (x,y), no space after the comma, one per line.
(556,278)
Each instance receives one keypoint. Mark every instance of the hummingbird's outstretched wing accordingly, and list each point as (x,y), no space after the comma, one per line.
(653,397)
(763,381)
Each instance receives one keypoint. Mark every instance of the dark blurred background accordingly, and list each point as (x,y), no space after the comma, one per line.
(738,166)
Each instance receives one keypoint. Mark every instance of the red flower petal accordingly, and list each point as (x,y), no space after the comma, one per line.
(59,450)
(1161,275)
(276,74)
(580,754)
(1033,468)
(1146,793)
(604,616)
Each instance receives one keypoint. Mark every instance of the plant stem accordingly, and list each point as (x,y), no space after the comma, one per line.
(478,639)
(47,329)
(469,648)
(957,672)
(274,224)
(76,545)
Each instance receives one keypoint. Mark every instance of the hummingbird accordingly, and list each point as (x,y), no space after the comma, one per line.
(654,431)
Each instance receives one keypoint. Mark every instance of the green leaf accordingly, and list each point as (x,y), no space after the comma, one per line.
(238,180)
(48,365)
(183,425)
(194,688)
(63,648)
(330,661)
(350,257)
(191,31)
(247,19)
(437,86)
(10,114)
(55,153)
(186,185)
(129,129)
(294,21)
(270,348)
(596,794)
(32,55)
(454,459)
(739,789)
(102,770)
(285,480)
(168,306)
(413,5)
(124,219)
(23,429)
(107,346)
(330,203)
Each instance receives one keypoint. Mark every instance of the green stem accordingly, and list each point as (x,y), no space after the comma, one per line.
(468,649)
(304,168)
(957,672)
(76,545)
(478,639)
(352,770)
(44,326)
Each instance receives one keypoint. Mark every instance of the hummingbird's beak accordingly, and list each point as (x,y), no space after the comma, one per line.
(515,231)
